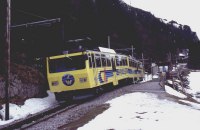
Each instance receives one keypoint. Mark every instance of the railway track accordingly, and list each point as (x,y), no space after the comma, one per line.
(43,115)
(48,113)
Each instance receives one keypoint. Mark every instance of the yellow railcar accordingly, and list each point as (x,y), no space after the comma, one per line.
(89,70)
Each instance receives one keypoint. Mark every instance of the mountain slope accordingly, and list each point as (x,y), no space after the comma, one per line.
(97,19)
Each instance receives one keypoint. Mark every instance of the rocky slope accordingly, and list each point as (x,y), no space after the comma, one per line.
(26,82)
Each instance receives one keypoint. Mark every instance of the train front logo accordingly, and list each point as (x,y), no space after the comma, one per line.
(68,80)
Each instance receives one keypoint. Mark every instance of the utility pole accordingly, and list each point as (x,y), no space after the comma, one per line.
(108,41)
(132,49)
(151,69)
(143,59)
(7,56)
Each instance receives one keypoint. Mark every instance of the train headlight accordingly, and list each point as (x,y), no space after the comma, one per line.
(82,80)
(54,83)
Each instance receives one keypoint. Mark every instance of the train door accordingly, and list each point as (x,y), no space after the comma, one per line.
(97,59)
(94,68)
(115,82)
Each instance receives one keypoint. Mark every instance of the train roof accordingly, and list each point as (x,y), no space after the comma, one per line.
(102,50)
(108,50)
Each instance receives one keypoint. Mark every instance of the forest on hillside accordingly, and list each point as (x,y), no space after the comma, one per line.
(96,20)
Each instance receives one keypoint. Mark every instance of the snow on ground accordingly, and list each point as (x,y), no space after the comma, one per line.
(147,77)
(169,82)
(135,111)
(194,78)
(194,89)
(30,106)
(194,105)
(144,111)
(155,76)
(173,92)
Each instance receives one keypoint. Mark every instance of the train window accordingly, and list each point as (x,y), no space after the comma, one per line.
(90,60)
(103,59)
(121,63)
(117,61)
(67,64)
(98,60)
(113,64)
(141,66)
(125,61)
(108,62)
(121,60)
(93,60)
(135,64)
(130,63)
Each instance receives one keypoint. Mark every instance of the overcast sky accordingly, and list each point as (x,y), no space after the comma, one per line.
(185,12)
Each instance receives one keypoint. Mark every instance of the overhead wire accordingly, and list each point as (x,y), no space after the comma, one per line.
(31,14)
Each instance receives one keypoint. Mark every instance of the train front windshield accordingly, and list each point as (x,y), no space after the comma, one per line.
(67,64)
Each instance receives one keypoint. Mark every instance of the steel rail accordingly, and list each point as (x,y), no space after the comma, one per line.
(43,115)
